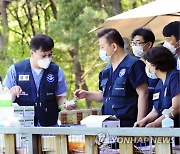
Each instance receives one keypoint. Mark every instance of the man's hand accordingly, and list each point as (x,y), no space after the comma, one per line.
(80,94)
(70,107)
(15,91)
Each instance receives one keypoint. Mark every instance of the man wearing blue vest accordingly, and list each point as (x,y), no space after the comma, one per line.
(122,83)
(38,82)
(142,40)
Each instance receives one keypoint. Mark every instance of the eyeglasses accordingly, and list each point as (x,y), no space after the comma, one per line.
(45,54)
(137,43)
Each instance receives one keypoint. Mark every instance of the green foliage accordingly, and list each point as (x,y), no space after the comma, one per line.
(75,18)
(20,28)
(4,64)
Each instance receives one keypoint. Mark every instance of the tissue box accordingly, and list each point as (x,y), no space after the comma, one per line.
(101,121)
(5,100)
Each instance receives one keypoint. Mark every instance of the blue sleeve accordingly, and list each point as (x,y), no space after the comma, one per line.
(10,79)
(175,85)
(62,85)
(137,75)
(100,76)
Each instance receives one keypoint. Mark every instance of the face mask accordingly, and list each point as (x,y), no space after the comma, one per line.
(103,56)
(170,47)
(150,75)
(44,63)
(138,51)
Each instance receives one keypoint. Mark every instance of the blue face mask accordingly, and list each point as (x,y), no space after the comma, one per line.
(150,75)
(103,56)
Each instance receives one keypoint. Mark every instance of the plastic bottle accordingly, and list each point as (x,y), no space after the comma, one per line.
(167,122)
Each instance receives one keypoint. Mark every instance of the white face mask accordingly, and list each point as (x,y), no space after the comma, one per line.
(150,75)
(138,51)
(170,47)
(44,63)
(103,56)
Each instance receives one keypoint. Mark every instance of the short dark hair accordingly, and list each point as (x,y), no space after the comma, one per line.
(41,41)
(112,36)
(146,33)
(172,29)
(161,58)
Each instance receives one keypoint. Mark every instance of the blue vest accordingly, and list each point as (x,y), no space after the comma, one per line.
(164,101)
(44,100)
(151,87)
(122,102)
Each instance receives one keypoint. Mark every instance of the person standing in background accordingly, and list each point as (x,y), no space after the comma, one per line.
(38,82)
(171,33)
(142,40)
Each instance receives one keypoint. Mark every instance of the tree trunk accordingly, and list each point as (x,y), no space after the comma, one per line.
(30,17)
(134,5)
(38,15)
(79,79)
(53,7)
(117,7)
(4,35)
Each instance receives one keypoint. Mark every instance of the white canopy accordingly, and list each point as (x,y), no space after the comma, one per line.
(154,15)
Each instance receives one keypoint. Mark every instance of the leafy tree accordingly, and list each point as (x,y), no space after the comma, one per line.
(74,20)
(68,23)
(25,19)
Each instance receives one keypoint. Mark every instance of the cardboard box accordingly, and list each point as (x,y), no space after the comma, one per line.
(18,111)
(28,111)
(25,115)
(101,121)
(111,123)
(21,140)
(28,121)
(24,111)
(22,121)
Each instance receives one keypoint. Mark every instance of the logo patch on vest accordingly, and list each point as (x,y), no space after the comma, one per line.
(23,77)
(122,72)
(50,78)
